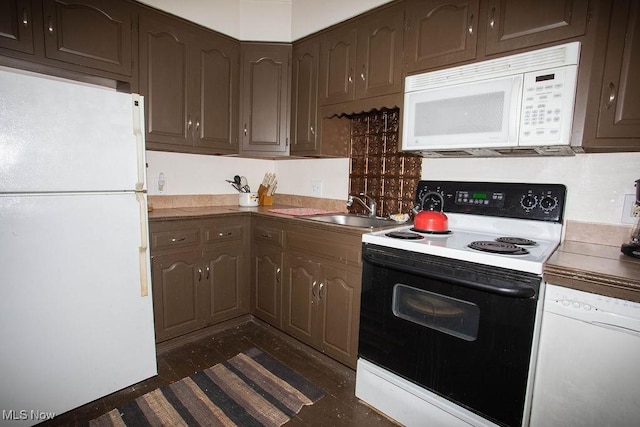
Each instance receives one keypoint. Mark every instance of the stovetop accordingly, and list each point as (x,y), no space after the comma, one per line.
(486,212)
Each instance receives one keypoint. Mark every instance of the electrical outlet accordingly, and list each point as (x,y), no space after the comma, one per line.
(316,188)
(630,209)
(160,183)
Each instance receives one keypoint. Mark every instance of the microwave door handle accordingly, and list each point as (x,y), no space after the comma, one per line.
(514,107)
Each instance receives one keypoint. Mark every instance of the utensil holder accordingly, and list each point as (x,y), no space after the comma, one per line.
(248,199)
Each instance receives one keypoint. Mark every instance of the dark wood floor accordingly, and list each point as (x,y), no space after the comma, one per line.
(339,407)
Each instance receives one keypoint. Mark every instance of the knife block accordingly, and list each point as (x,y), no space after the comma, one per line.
(263,198)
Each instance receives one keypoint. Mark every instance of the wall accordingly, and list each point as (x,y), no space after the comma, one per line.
(188,174)
(596,183)
(265,20)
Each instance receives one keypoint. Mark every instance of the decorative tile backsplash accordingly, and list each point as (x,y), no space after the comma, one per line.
(378,168)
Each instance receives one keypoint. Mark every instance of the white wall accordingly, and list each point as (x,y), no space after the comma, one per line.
(265,20)
(190,174)
(596,183)
(309,16)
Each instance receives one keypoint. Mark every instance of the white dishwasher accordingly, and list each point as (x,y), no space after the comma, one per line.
(588,369)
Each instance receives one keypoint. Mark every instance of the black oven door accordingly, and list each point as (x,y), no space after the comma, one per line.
(461,330)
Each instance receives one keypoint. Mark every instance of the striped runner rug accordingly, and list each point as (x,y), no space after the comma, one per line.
(250,389)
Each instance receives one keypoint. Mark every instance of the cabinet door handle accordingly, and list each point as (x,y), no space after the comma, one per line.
(612,95)
(321,294)
(492,21)
(223,234)
(266,235)
(470,29)
(199,274)
(189,122)
(197,124)
(208,272)
(313,132)
(350,77)
(245,129)
(362,73)
(25,18)
(278,274)
(50,27)
(178,240)
(313,289)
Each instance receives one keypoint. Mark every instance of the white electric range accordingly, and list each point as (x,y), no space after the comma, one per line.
(444,314)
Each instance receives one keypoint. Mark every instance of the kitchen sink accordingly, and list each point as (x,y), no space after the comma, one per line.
(354,220)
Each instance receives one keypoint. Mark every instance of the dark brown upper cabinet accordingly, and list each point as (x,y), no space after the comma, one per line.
(16,25)
(379,54)
(613,124)
(363,59)
(440,32)
(305,132)
(91,33)
(190,80)
(86,37)
(265,98)
(517,24)
(338,65)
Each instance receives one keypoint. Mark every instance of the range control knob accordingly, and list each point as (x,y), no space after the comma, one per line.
(528,202)
(548,203)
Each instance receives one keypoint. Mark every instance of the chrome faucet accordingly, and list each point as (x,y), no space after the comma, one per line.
(370,205)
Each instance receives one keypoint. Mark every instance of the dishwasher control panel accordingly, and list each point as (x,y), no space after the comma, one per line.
(593,308)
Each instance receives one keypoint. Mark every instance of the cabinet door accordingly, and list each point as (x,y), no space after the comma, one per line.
(224,277)
(16,25)
(267,286)
(300,297)
(92,33)
(304,97)
(518,24)
(440,32)
(164,81)
(339,296)
(620,99)
(215,105)
(265,98)
(338,65)
(379,54)
(175,293)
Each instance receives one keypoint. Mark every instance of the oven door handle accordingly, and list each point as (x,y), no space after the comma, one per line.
(515,290)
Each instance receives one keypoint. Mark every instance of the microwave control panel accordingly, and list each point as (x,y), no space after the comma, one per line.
(547,106)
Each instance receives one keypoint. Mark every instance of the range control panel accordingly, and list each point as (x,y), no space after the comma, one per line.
(542,202)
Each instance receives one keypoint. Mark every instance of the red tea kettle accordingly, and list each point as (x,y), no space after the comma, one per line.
(431,221)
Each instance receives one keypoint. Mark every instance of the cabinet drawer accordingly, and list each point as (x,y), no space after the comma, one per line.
(331,247)
(175,238)
(262,233)
(222,233)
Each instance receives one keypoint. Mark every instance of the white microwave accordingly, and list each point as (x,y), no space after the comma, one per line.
(519,104)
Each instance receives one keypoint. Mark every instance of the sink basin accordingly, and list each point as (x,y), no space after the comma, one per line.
(353,220)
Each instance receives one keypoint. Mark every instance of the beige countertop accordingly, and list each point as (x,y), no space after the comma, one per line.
(595,268)
(588,267)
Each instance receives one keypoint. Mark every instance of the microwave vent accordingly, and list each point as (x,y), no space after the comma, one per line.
(500,152)
(552,57)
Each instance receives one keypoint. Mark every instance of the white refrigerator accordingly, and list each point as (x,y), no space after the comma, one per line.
(76,315)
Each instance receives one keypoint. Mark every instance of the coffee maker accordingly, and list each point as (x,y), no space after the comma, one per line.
(633,247)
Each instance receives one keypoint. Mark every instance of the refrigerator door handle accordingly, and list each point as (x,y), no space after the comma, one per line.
(138,130)
(144,244)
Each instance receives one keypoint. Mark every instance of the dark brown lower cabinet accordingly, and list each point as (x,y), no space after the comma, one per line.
(321,291)
(306,282)
(266,283)
(199,273)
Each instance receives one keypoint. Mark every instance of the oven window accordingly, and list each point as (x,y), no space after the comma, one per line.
(445,314)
